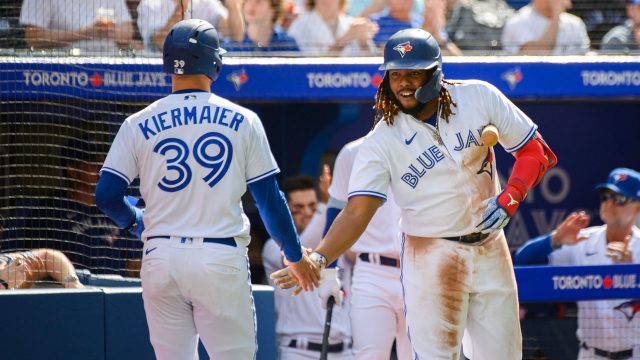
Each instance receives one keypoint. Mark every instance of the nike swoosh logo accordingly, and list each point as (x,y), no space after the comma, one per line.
(590,253)
(146,252)
(410,140)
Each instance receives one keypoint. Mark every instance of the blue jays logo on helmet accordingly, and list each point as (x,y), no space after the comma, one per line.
(403,48)
(193,47)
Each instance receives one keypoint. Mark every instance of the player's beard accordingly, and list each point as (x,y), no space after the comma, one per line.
(413,111)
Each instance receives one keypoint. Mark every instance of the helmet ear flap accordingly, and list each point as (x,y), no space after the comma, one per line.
(432,88)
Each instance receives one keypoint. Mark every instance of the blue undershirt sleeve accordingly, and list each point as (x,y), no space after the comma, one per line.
(275,214)
(111,199)
(333,209)
(534,252)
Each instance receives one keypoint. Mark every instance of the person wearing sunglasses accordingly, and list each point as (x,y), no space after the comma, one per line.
(607,329)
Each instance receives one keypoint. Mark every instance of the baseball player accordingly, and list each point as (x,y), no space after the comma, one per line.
(426,147)
(195,154)
(376,290)
(300,321)
(607,329)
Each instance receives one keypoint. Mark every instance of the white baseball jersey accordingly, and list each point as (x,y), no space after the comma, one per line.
(179,167)
(529,25)
(439,187)
(381,235)
(611,325)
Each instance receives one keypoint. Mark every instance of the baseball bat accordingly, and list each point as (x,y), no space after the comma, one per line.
(490,135)
(327,328)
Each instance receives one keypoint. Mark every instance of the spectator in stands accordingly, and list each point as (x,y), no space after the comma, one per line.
(68,220)
(606,328)
(24,269)
(157,17)
(88,25)
(262,30)
(476,25)
(599,16)
(325,30)
(300,319)
(395,17)
(625,38)
(545,28)
(435,22)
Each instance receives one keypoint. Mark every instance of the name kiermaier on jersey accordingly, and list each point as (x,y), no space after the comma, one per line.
(585,282)
(194,115)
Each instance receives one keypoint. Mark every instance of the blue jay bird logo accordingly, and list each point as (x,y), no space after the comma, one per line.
(403,48)
(629,309)
(487,164)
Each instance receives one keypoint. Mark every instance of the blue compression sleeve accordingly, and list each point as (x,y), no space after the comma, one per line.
(534,252)
(275,214)
(110,198)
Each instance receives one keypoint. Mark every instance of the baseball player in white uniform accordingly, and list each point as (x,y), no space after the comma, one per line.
(456,267)
(196,154)
(376,290)
(300,320)
(607,329)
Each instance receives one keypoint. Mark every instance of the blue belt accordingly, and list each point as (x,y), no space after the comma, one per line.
(224,241)
(383,260)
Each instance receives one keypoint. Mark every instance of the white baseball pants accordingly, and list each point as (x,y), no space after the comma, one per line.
(192,288)
(449,286)
(377,312)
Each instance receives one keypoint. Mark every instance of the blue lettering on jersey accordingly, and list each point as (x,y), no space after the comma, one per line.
(194,115)
(470,140)
(189,115)
(425,161)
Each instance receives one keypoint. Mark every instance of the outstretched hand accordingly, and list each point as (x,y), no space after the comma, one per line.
(303,273)
(568,232)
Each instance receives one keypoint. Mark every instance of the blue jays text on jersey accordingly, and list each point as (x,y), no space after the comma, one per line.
(194,115)
(427,159)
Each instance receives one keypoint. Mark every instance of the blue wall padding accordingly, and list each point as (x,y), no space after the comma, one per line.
(52,324)
(96,324)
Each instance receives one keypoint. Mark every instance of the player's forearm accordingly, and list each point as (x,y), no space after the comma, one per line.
(234,24)
(110,191)
(275,214)
(534,252)
(348,226)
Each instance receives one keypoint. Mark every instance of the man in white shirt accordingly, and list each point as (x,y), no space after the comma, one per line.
(90,25)
(545,28)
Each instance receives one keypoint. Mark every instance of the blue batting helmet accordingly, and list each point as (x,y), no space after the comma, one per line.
(415,49)
(193,47)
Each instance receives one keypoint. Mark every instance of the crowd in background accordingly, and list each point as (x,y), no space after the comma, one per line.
(325,27)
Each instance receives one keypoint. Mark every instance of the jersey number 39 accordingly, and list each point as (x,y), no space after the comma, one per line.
(212,151)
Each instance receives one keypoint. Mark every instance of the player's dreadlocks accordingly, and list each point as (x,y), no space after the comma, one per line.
(386,108)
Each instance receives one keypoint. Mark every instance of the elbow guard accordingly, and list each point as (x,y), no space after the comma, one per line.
(532,162)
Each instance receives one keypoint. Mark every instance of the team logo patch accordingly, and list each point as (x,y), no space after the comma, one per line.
(238,78)
(619,177)
(629,309)
(512,77)
(487,164)
(403,48)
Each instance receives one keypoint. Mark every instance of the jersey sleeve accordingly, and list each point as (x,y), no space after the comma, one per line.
(121,159)
(373,177)
(260,161)
(515,127)
(339,188)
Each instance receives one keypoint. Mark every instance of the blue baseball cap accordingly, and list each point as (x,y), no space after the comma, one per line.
(623,181)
